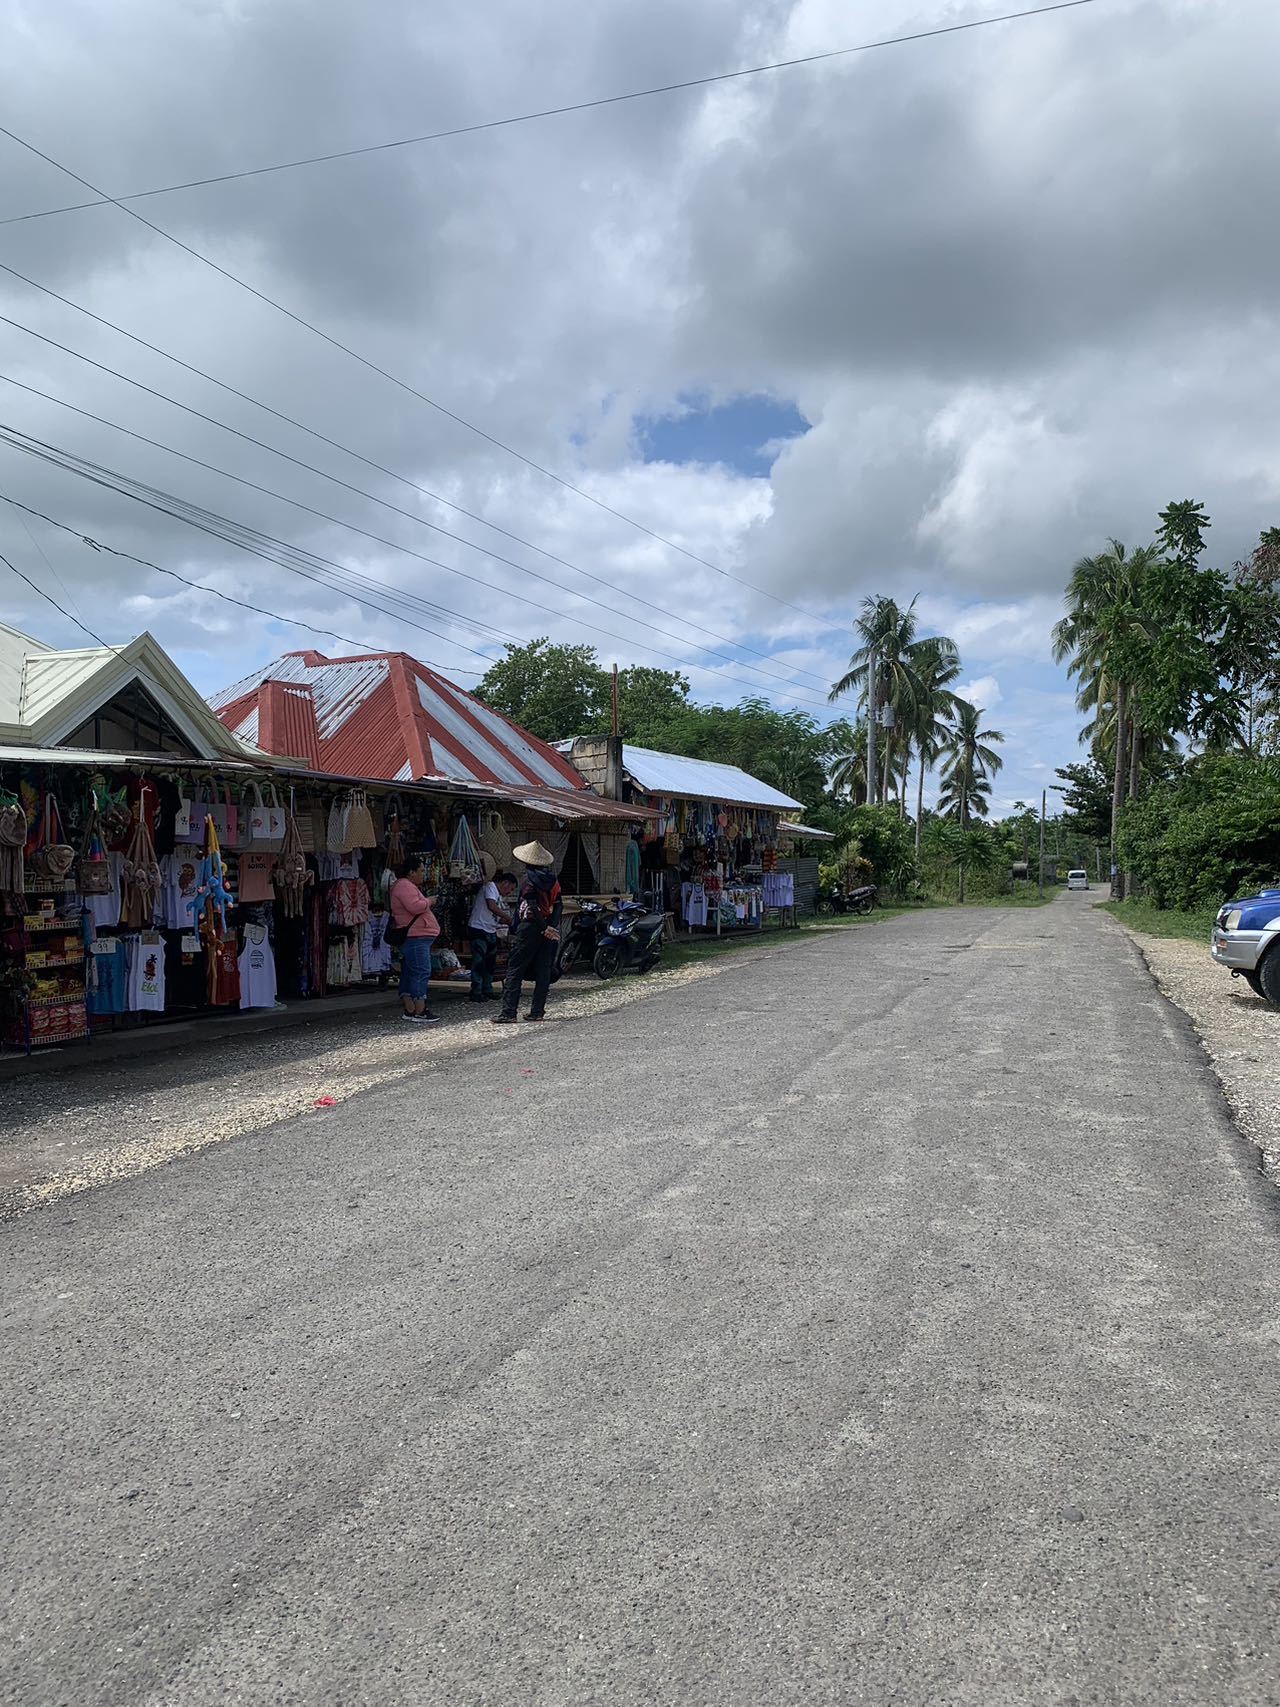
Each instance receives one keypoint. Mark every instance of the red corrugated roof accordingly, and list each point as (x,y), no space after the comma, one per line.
(383,714)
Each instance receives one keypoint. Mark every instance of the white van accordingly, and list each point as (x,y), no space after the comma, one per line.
(1077,880)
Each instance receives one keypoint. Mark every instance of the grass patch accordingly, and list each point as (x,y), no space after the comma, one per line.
(1161,921)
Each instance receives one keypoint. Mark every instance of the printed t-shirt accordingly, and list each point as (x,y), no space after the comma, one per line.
(255,877)
(178,874)
(257,969)
(146,975)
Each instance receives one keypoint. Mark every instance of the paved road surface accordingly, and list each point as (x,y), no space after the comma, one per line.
(892,1320)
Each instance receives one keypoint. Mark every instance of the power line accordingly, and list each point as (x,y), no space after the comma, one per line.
(390,544)
(197,586)
(544,113)
(412,391)
(75,620)
(252,541)
(373,497)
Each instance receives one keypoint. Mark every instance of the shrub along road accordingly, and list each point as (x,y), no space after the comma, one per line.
(890,1321)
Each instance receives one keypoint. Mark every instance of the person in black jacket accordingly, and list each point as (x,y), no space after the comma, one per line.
(535,936)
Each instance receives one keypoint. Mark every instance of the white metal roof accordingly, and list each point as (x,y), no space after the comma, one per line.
(15,648)
(700,779)
(806,832)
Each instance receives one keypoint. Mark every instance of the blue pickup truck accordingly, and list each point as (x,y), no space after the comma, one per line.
(1246,939)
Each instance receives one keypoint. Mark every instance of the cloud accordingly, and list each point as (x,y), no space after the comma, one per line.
(1016,281)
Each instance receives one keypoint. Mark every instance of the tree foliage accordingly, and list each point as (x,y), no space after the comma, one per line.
(1208,834)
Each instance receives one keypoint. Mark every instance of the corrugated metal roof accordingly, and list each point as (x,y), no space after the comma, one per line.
(15,648)
(50,676)
(700,779)
(386,715)
(248,729)
(806,832)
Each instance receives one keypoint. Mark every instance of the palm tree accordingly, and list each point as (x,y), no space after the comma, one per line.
(971,762)
(848,753)
(1104,615)
(937,666)
(892,690)
(974,798)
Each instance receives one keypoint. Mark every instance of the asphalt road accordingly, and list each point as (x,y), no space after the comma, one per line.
(889,1320)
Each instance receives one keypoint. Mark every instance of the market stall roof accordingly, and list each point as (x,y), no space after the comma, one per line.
(384,714)
(806,833)
(48,696)
(700,779)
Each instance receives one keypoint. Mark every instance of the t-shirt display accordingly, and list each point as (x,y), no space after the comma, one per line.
(257,969)
(106,978)
(145,987)
(178,872)
(255,877)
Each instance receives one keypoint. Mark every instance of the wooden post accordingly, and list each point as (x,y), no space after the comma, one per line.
(1044,796)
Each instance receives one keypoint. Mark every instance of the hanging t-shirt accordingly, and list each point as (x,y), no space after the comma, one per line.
(255,877)
(483,917)
(257,969)
(105,909)
(178,874)
(333,868)
(633,867)
(106,979)
(146,973)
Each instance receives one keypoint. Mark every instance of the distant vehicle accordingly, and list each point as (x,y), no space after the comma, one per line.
(1246,940)
(1077,880)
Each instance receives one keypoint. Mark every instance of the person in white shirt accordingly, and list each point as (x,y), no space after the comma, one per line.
(487,913)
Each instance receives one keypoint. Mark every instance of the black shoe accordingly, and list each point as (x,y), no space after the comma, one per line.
(534,1019)
(503,1019)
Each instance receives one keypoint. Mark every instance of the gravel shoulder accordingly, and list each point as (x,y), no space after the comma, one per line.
(1238,1031)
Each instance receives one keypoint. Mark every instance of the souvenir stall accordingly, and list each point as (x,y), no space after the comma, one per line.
(709,856)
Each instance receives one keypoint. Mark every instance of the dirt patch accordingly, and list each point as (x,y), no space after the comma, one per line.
(1240,1033)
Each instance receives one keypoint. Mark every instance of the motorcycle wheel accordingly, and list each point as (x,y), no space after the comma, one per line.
(608,960)
(825,907)
(866,905)
(567,959)
(648,963)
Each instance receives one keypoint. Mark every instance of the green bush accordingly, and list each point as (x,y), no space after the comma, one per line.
(1207,834)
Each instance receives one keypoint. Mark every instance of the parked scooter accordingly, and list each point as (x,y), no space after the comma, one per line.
(582,938)
(631,937)
(837,899)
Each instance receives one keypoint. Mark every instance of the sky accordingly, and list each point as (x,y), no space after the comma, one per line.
(933,320)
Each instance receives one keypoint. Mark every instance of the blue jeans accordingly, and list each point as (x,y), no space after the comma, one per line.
(415,967)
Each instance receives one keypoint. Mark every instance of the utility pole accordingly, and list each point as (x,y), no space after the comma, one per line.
(1044,796)
(871,730)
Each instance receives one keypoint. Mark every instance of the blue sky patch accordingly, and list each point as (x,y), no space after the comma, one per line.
(738,433)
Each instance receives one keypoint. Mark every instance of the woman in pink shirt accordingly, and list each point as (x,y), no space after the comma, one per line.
(411,910)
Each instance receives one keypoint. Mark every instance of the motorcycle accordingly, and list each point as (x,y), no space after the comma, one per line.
(579,943)
(838,900)
(631,937)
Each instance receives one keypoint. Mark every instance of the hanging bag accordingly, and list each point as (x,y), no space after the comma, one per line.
(464,856)
(53,859)
(196,811)
(360,832)
(93,870)
(13,841)
(337,839)
(266,820)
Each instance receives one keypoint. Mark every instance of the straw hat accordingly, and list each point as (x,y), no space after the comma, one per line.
(533,853)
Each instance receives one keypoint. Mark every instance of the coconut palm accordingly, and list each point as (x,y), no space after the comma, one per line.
(971,757)
(891,694)
(937,666)
(1104,615)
